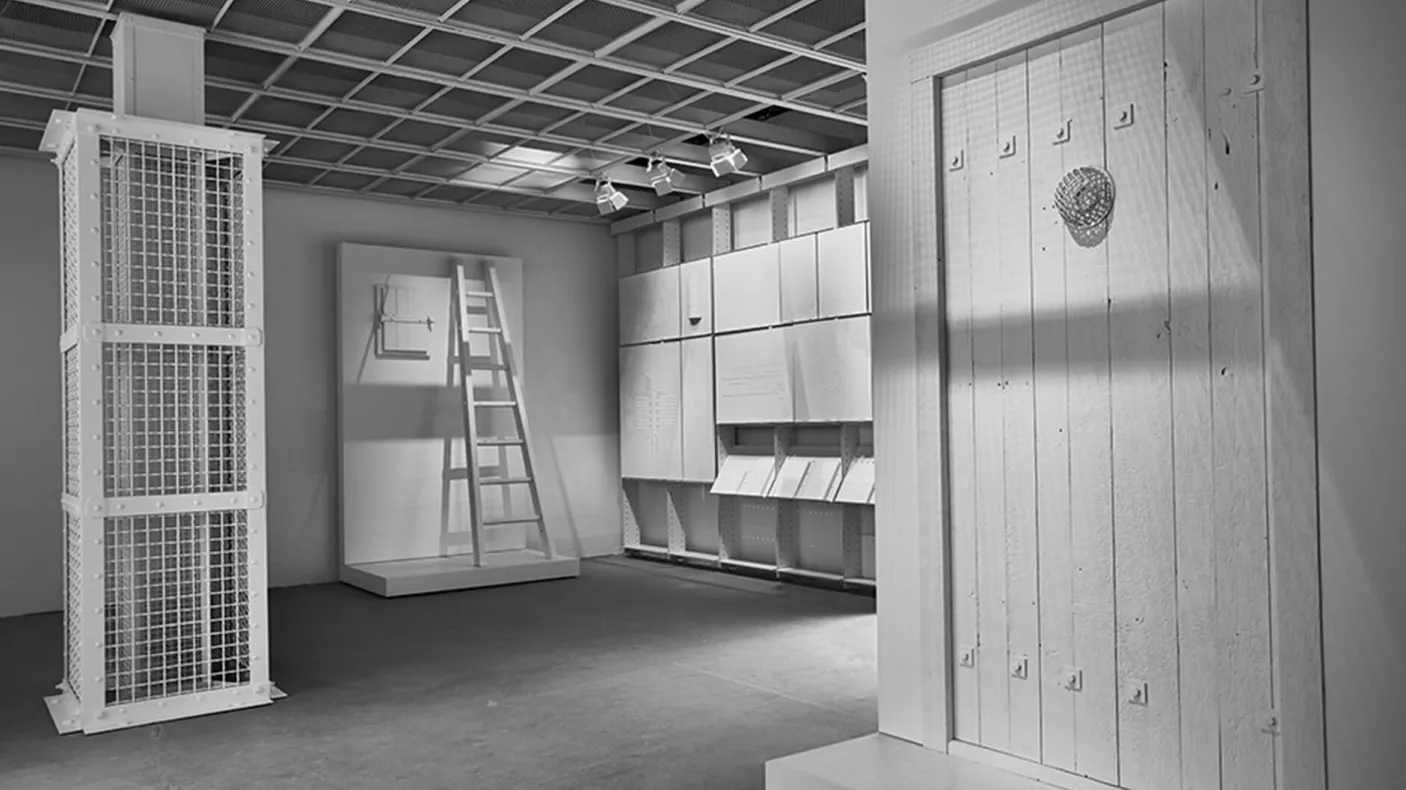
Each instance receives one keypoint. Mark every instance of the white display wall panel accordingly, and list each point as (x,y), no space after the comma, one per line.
(650,306)
(164,520)
(758,355)
(404,527)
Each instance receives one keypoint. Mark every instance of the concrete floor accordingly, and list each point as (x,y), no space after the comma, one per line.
(636,675)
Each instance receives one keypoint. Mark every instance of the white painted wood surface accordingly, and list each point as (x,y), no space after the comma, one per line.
(1090,471)
(698,432)
(799,285)
(989,446)
(1140,347)
(1018,405)
(649,306)
(753,378)
(1187,191)
(830,371)
(394,415)
(747,289)
(813,206)
(962,523)
(651,403)
(695,298)
(843,266)
(1238,452)
(751,222)
(1048,140)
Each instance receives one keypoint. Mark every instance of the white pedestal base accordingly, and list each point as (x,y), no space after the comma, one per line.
(881,762)
(441,574)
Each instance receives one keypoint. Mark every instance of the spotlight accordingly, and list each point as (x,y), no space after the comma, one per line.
(663,178)
(724,157)
(608,198)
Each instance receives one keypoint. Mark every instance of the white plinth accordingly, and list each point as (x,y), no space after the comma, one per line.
(881,762)
(441,574)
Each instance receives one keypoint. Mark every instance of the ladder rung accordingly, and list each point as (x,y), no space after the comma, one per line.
(457,473)
(499,442)
(504,481)
(496,404)
(476,294)
(498,522)
(483,330)
(476,364)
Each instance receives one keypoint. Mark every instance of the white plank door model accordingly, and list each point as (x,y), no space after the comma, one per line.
(1110,573)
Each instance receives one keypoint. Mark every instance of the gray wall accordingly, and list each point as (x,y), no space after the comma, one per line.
(571,329)
(1358,124)
(1359,205)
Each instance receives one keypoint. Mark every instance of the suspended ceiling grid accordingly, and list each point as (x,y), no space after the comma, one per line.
(509,104)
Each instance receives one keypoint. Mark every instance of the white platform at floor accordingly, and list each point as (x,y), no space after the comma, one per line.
(881,762)
(439,574)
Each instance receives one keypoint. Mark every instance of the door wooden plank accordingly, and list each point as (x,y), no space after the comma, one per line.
(1048,137)
(989,450)
(1140,344)
(1091,514)
(1018,407)
(961,447)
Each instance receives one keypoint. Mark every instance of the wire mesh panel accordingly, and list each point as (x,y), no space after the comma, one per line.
(163,503)
(177,599)
(174,419)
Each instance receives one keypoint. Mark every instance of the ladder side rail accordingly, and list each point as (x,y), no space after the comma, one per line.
(466,382)
(520,407)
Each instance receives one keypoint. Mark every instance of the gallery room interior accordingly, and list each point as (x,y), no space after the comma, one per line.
(691,394)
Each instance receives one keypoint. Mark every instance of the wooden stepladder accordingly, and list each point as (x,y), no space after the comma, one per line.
(466,303)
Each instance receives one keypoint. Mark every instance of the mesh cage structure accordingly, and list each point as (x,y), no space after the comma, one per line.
(165,583)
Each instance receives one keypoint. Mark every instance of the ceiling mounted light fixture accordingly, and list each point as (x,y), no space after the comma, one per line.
(608,198)
(724,157)
(662,177)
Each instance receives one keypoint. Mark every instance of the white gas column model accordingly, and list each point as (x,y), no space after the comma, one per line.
(165,609)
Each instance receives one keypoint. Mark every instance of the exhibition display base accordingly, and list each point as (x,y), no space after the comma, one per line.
(882,762)
(440,574)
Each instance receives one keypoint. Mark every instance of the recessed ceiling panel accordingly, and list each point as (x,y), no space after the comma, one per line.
(318,150)
(733,60)
(450,193)
(819,20)
(392,91)
(519,68)
(532,117)
(96,81)
(241,64)
(448,53)
(509,16)
(745,13)
(283,112)
(379,158)
(400,187)
(592,84)
(590,127)
(23,139)
(465,105)
(418,133)
(281,20)
(354,122)
(290,173)
(327,79)
(670,43)
(591,25)
(30,108)
(654,96)
(47,27)
(351,181)
(440,167)
(792,75)
(365,36)
(40,72)
(494,174)
(188,12)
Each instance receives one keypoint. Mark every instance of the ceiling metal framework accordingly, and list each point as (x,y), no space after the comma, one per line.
(519,105)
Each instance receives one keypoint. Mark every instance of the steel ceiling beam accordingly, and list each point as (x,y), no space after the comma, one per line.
(743,34)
